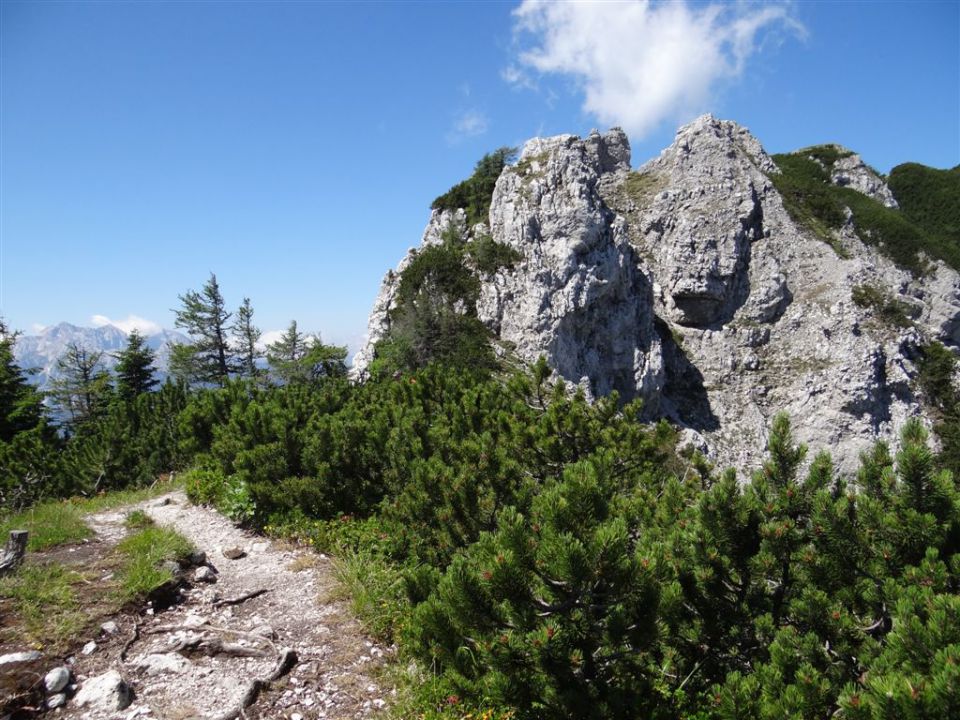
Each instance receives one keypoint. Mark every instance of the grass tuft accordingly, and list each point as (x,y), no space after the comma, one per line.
(143,553)
(137,520)
(49,524)
(44,598)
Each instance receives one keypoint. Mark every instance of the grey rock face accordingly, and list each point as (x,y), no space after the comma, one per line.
(852,172)
(579,296)
(688,284)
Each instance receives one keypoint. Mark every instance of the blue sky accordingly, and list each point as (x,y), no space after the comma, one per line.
(294,148)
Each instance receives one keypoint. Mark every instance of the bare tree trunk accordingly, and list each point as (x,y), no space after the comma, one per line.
(12,555)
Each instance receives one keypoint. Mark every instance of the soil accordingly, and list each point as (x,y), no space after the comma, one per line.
(337,667)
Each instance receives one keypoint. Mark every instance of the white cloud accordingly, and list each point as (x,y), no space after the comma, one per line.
(268,338)
(469,123)
(639,63)
(132,322)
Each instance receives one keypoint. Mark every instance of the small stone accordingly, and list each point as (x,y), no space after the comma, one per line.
(296,716)
(158,663)
(194,621)
(265,631)
(204,574)
(56,680)
(260,547)
(198,557)
(234,553)
(109,628)
(108,692)
(89,648)
(19,657)
(173,567)
(162,503)
(55,701)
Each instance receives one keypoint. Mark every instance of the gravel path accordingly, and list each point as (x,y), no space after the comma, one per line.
(334,677)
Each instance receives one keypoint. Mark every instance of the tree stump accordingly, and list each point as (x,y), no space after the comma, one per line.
(12,555)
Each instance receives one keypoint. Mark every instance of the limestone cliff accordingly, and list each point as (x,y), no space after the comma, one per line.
(688,283)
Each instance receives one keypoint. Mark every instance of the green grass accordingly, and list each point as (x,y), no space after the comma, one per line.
(375,588)
(119,498)
(44,597)
(887,308)
(142,555)
(137,520)
(49,524)
(640,187)
(60,522)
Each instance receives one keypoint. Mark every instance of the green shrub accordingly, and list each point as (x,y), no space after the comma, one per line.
(813,201)
(928,197)
(890,310)
(475,193)
(204,486)
(490,256)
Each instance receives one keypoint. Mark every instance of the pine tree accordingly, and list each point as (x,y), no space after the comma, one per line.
(285,355)
(82,388)
(247,335)
(134,368)
(21,406)
(208,359)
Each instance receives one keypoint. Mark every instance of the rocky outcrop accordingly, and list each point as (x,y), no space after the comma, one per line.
(579,296)
(687,283)
(850,171)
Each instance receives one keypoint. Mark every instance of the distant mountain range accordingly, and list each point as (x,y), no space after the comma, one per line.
(40,352)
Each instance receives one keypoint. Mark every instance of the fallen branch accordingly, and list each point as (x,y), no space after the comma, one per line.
(211,646)
(133,638)
(242,599)
(287,659)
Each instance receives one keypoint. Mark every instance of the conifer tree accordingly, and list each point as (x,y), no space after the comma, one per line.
(82,388)
(204,316)
(21,406)
(134,368)
(246,336)
(286,354)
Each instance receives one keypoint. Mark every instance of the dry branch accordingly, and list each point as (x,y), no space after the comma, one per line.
(287,659)
(243,598)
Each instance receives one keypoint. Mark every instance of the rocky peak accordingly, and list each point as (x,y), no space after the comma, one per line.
(689,284)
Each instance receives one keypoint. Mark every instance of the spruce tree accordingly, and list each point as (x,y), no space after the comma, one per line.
(21,406)
(81,389)
(134,368)
(246,336)
(302,357)
(204,316)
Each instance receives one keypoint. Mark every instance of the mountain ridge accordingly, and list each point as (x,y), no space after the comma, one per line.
(706,284)
(41,351)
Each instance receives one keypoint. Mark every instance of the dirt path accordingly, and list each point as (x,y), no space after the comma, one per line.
(334,676)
